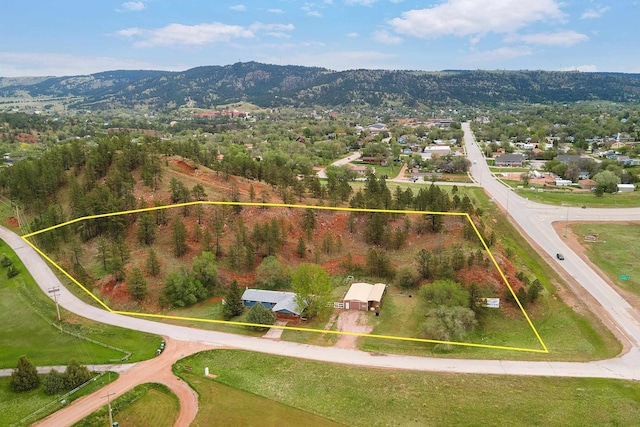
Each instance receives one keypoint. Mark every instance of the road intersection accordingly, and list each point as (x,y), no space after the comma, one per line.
(536,220)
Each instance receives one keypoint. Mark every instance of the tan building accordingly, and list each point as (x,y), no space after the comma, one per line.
(364,296)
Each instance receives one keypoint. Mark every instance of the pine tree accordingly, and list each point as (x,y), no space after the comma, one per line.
(179,237)
(153,265)
(137,284)
(233,303)
(25,376)
(261,315)
(54,382)
(301,250)
(75,375)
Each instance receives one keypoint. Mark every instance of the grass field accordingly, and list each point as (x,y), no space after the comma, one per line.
(364,397)
(567,335)
(615,252)
(14,406)
(222,405)
(146,405)
(26,315)
(568,198)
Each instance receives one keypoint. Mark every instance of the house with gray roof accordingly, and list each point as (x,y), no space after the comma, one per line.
(283,304)
(510,160)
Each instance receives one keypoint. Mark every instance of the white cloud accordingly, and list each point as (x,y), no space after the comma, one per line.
(238,7)
(278,35)
(396,1)
(383,36)
(560,38)
(353,35)
(17,64)
(185,35)
(273,30)
(584,68)
(132,6)
(475,17)
(594,13)
(277,11)
(314,13)
(130,32)
(500,54)
(259,26)
(361,2)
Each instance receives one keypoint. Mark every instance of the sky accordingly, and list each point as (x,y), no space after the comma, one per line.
(74,37)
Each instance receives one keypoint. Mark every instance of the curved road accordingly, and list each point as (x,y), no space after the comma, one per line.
(624,367)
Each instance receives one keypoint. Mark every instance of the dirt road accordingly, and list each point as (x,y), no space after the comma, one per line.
(156,370)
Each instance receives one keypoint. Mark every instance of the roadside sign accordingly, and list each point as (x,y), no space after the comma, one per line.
(492,302)
(624,277)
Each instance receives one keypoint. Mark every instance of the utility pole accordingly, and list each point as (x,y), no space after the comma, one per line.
(108,396)
(54,290)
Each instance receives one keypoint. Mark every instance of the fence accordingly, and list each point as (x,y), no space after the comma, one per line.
(60,400)
(33,305)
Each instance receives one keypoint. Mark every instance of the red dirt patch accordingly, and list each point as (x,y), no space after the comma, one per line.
(12,222)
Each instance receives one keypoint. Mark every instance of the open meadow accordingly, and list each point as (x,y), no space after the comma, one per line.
(362,397)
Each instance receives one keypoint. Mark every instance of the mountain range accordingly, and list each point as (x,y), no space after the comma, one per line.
(274,85)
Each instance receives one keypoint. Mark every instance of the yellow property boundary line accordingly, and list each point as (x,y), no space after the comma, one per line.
(294,328)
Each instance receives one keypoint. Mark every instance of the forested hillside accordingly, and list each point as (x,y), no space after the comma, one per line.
(273,85)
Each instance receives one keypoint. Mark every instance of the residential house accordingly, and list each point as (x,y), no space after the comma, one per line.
(283,304)
(588,184)
(512,160)
(568,158)
(377,128)
(361,170)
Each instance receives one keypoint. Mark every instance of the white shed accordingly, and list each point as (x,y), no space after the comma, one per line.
(626,188)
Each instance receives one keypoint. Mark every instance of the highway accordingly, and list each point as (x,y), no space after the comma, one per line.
(536,220)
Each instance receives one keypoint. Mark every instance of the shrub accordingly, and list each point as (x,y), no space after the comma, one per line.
(12,271)
(54,382)
(5,261)
(24,377)
(76,375)
(261,315)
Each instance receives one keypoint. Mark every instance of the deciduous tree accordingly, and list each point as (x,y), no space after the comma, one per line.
(313,288)
(271,274)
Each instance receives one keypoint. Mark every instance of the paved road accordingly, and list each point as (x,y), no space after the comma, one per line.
(625,367)
(536,221)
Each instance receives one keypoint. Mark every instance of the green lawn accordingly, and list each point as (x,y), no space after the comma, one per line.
(615,252)
(507,170)
(590,200)
(567,335)
(26,315)
(16,406)
(146,405)
(222,405)
(363,397)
